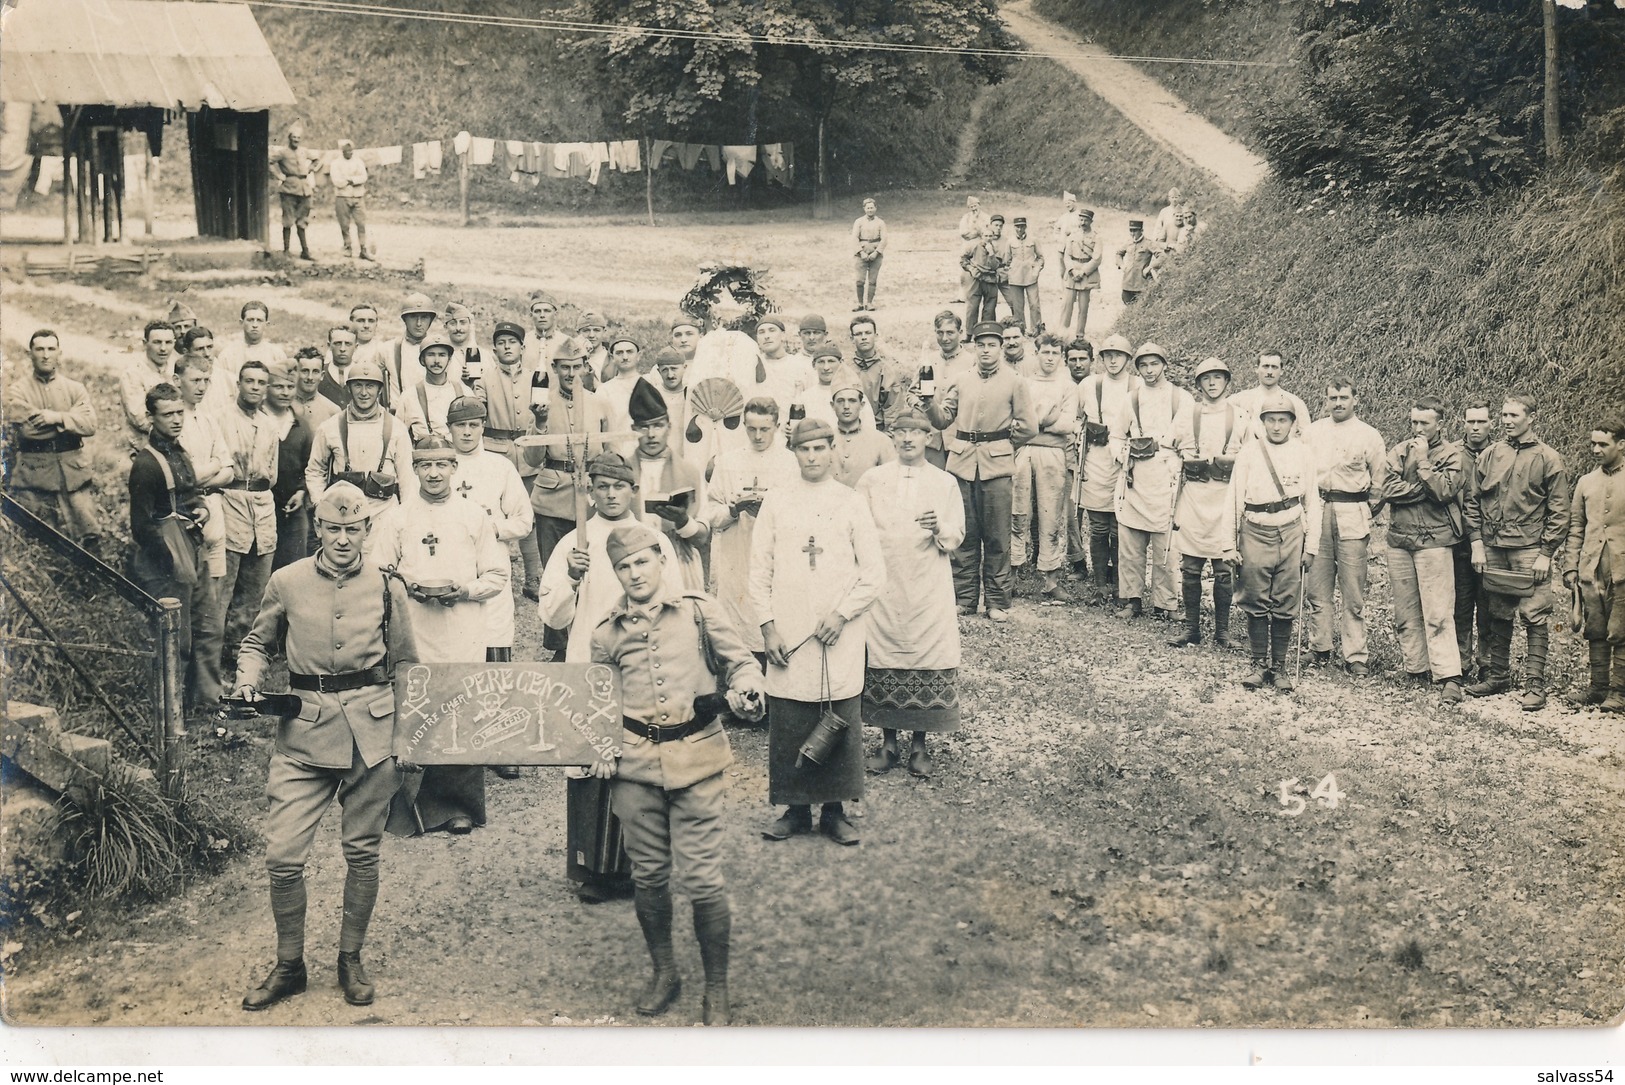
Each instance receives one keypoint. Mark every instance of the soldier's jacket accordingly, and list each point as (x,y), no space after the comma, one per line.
(1598,522)
(668,651)
(34,466)
(332,624)
(1519,497)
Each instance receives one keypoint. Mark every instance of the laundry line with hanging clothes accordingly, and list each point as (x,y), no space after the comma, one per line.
(533,161)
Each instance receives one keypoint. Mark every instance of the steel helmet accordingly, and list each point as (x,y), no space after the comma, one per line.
(1147,350)
(1276,402)
(436,338)
(367,370)
(1117,343)
(1211,365)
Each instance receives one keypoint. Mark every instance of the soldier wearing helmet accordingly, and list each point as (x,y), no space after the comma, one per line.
(363,444)
(1142,434)
(418,315)
(423,408)
(343,629)
(1100,398)
(1274,516)
(1207,439)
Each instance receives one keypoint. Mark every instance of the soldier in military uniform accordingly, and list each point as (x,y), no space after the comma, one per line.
(673,649)
(50,416)
(1274,516)
(343,627)
(1208,438)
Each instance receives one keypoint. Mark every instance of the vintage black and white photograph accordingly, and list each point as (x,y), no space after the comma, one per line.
(861,513)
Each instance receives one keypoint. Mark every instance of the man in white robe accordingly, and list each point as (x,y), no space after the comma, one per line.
(741,480)
(446,552)
(911,676)
(1143,442)
(816,565)
(490,480)
(1101,398)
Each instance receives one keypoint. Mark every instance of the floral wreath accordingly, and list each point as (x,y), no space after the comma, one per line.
(743,285)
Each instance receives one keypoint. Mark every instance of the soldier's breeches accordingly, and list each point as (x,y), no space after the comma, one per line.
(665,829)
(1536,608)
(1271,570)
(300,794)
(1340,565)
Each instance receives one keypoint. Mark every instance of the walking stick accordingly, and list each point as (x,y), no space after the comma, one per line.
(1297,641)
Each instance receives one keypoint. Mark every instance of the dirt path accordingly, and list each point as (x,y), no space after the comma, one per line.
(1144,101)
(965,154)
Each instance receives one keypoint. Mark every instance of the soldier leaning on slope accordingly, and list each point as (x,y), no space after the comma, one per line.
(343,627)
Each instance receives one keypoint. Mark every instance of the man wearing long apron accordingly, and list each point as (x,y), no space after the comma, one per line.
(1102,397)
(1143,442)
(1208,438)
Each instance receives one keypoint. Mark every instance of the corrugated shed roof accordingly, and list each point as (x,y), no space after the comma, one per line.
(138,53)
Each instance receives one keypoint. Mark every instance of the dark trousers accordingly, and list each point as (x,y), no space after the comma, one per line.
(199,628)
(1472,610)
(982,561)
(292,537)
(981,303)
(1103,548)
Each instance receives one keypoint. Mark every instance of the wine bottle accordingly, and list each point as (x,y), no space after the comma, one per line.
(473,366)
(538,388)
(798,411)
(928,382)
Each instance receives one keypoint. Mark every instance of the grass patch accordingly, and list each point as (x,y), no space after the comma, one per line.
(1520,293)
(1235,30)
(1043,131)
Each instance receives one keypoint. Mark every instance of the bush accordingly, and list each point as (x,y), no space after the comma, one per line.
(1422,104)
(1523,292)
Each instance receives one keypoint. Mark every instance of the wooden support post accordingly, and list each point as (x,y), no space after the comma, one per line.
(649,177)
(462,182)
(147,198)
(68,168)
(170,723)
(1553,120)
(823,205)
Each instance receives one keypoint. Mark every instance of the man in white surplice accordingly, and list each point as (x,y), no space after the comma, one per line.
(815,566)
(734,496)
(911,679)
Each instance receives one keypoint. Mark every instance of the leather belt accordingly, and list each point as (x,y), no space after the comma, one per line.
(982,438)
(62,442)
(503,434)
(253,485)
(1276,506)
(1347,497)
(338,683)
(658,735)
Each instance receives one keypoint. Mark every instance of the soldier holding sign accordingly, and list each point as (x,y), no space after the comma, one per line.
(671,647)
(343,628)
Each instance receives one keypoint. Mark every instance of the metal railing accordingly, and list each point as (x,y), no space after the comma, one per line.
(84,638)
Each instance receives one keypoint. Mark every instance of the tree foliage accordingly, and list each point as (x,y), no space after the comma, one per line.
(1430,102)
(745,66)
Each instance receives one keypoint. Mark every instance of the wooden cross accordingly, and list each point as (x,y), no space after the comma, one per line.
(431,540)
(812,550)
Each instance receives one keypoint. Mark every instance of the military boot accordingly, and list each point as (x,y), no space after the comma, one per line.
(1190,587)
(1616,690)
(653,907)
(286,980)
(713,926)
(1258,642)
(1223,593)
(1534,669)
(1280,641)
(353,979)
(1499,679)
(1594,692)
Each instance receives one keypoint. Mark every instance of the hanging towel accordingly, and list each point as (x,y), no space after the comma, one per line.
(626,155)
(545,167)
(420,161)
(688,155)
(460,142)
(516,149)
(482,151)
(598,158)
(777,164)
(741,160)
(50,172)
(530,157)
(434,156)
(713,156)
(658,150)
(383,156)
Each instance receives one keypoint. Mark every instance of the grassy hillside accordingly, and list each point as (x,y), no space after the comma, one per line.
(382,81)
(1043,131)
(1229,30)
(1522,293)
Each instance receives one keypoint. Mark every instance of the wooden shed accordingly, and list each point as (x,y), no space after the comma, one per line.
(114,66)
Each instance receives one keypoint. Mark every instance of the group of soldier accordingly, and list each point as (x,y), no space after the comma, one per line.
(765,523)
